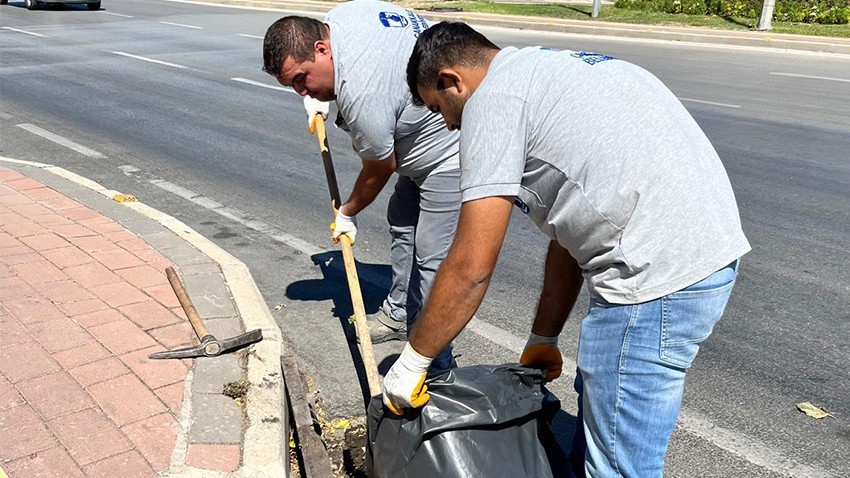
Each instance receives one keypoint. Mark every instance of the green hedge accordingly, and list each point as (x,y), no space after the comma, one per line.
(800,11)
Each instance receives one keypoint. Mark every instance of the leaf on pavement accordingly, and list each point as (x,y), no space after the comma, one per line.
(342,424)
(813,411)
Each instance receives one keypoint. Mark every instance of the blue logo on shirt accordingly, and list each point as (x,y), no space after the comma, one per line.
(390,19)
(591,58)
(522,205)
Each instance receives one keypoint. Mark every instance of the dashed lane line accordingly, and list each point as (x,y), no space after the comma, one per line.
(22,31)
(704,102)
(116,14)
(61,140)
(249,36)
(264,85)
(182,25)
(151,60)
(810,77)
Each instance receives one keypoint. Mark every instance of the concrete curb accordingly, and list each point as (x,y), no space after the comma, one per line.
(610,29)
(265,446)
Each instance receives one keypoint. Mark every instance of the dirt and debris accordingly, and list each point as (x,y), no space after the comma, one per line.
(236,390)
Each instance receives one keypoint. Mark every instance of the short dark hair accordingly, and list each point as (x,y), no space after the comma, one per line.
(291,36)
(443,45)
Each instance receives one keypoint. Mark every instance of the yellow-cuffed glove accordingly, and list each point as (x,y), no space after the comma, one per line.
(344,225)
(543,353)
(404,385)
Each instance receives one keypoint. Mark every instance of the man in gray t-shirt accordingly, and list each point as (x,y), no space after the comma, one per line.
(612,168)
(357,57)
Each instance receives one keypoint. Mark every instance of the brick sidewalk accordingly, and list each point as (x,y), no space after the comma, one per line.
(83,301)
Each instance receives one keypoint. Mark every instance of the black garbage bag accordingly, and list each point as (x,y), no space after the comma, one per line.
(481,421)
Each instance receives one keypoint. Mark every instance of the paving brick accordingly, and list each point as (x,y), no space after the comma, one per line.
(121,337)
(155,373)
(150,256)
(102,225)
(21,255)
(172,336)
(59,334)
(77,213)
(6,271)
(23,184)
(144,276)
(214,457)
(71,230)
(7,240)
(92,244)
(62,203)
(81,355)
(135,244)
(51,219)
(36,272)
(211,374)
(7,174)
(8,217)
(215,419)
(126,399)
(164,294)
(51,463)
(89,436)
(83,307)
(91,275)
(24,228)
(172,396)
(154,438)
(25,361)
(15,288)
(9,396)
(11,331)
(99,317)
(32,309)
(119,236)
(117,259)
(22,433)
(42,193)
(12,199)
(100,371)
(62,292)
(30,211)
(67,257)
(55,395)
(43,242)
(149,314)
(118,294)
(126,465)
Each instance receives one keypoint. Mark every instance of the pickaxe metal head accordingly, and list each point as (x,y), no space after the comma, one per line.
(212,347)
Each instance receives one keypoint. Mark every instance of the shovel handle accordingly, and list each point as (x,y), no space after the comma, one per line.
(367,354)
(194,318)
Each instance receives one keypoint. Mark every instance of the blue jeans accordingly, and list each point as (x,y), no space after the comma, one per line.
(632,361)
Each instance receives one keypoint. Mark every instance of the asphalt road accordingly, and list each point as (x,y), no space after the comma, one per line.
(167,101)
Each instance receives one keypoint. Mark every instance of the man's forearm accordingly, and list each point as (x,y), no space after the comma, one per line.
(562,281)
(370,182)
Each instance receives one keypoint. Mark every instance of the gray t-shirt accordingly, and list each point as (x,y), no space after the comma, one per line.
(607,161)
(371,43)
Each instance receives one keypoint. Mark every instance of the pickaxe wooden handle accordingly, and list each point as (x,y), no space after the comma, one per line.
(366,352)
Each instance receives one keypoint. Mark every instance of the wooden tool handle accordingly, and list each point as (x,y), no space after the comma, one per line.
(200,329)
(366,351)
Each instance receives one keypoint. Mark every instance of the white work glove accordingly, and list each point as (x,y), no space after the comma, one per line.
(315,107)
(404,385)
(543,353)
(344,225)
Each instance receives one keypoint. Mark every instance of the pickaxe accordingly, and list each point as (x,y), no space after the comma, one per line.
(366,353)
(209,346)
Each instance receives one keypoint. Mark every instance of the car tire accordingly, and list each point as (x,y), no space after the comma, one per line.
(31,4)
(94,6)
(4,2)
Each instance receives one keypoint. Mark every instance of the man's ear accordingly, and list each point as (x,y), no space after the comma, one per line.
(322,47)
(450,78)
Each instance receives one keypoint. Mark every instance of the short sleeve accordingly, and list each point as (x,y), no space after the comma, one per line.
(493,146)
(371,121)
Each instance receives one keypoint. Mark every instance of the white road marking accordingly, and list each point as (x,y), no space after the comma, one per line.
(159,62)
(61,140)
(691,100)
(23,31)
(810,77)
(129,169)
(116,14)
(738,444)
(249,36)
(264,85)
(182,25)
